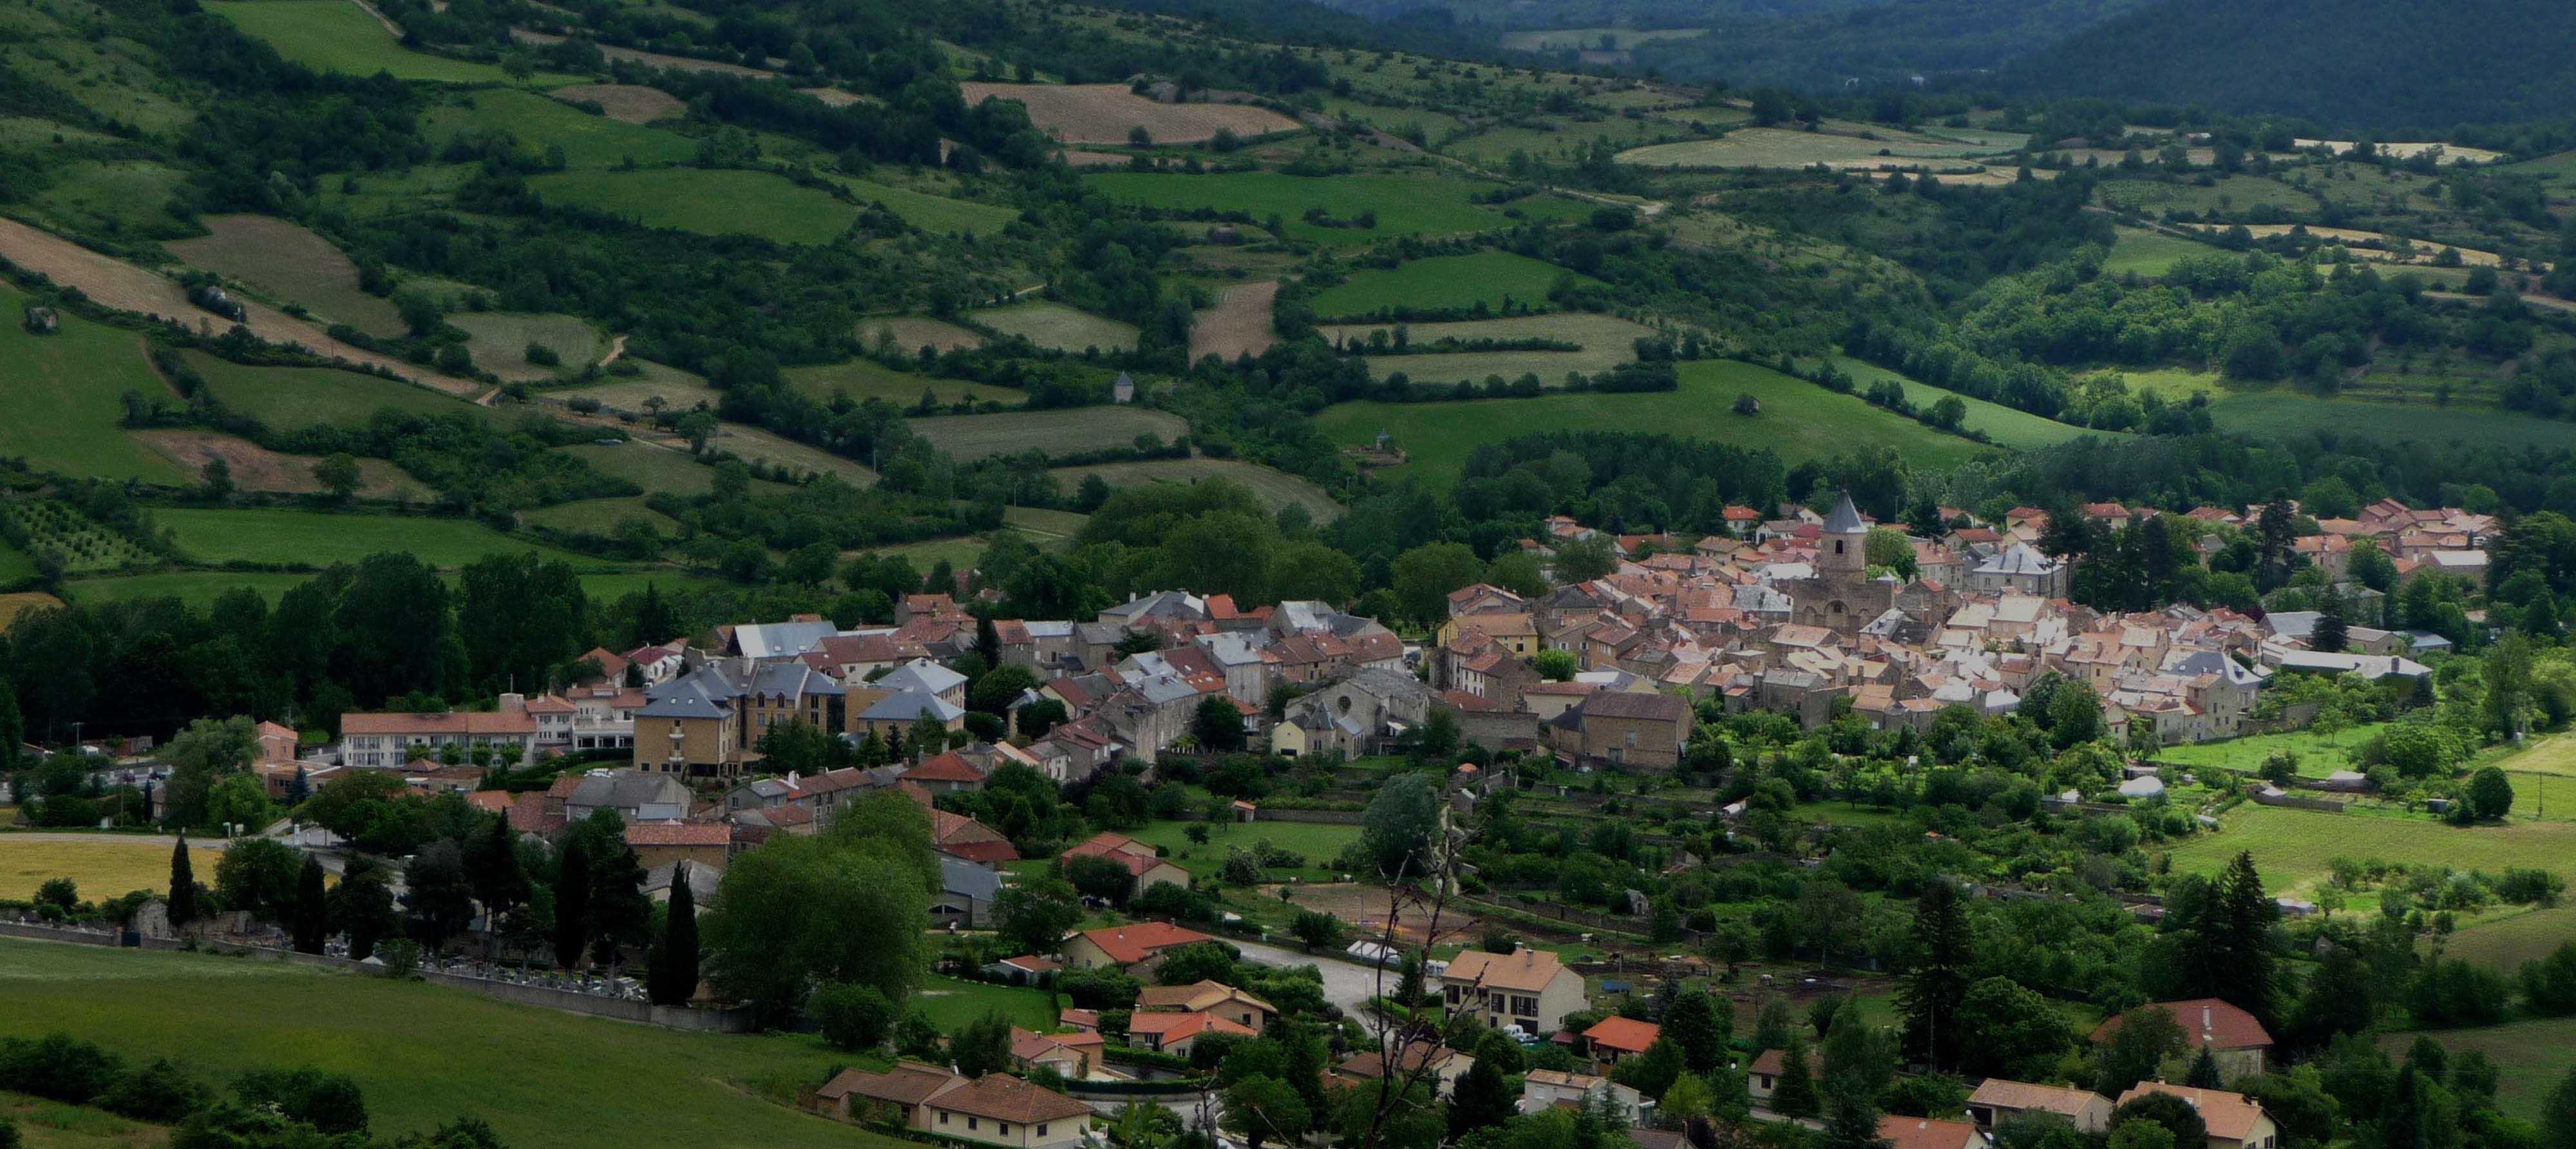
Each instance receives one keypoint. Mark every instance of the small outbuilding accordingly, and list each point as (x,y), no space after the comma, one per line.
(43,321)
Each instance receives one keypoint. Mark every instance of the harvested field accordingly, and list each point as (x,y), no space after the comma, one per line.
(292,263)
(679,390)
(2451,153)
(12,605)
(103,866)
(499,341)
(1239,324)
(649,59)
(2370,245)
(256,468)
(1780,148)
(1275,487)
(625,103)
(1075,430)
(913,332)
(114,283)
(1050,324)
(1108,113)
(1606,340)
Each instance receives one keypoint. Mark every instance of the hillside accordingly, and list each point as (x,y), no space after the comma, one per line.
(2368,64)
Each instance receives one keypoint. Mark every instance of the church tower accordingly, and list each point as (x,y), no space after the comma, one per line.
(1843,551)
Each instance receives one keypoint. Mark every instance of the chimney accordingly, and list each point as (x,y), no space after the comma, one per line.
(513,703)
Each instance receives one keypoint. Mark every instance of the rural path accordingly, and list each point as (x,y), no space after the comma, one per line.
(381,18)
(616,351)
(114,283)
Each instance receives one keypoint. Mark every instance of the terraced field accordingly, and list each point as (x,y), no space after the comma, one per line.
(1276,488)
(1439,282)
(1606,340)
(1050,324)
(1068,431)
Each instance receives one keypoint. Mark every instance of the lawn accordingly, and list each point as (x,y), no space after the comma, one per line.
(865,379)
(2150,252)
(425,1054)
(320,538)
(708,201)
(61,394)
(339,36)
(1320,842)
(929,212)
(539,122)
(1276,488)
(951,1004)
(1799,420)
(2295,849)
(1070,430)
(1406,204)
(1444,281)
(287,398)
(1050,324)
(2534,1056)
(1606,341)
(103,868)
(2007,426)
(2319,755)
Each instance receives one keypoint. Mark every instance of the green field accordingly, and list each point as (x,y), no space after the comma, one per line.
(864,379)
(1799,420)
(119,197)
(61,391)
(2319,755)
(292,263)
(2227,195)
(2295,849)
(599,516)
(219,535)
(201,588)
(286,398)
(1444,281)
(708,201)
(2150,252)
(1405,204)
(1051,324)
(339,36)
(1070,430)
(539,122)
(16,566)
(499,341)
(951,1004)
(545,1080)
(929,212)
(2505,939)
(1319,841)
(2007,426)
(1275,488)
(651,468)
(2534,1056)
(2277,413)
(1606,341)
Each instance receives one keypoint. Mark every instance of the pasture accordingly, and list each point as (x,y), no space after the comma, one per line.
(2295,849)
(707,201)
(1799,421)
(256,468)
(2008,426)
(677,389)
(2150,253)
(127,197)
(2282,413)
(499,342)
(1318,841)
(1051,324)
(220,535)
(2533,1057)
(951,1004)
(654,469)
(911,333)
(61,392)
(539,123)
(1275,488)
(289,397)
(754,445)
(290,263)
(626,1085)
(1238,325)
(103,866)
(599,516)
(1108,113)
(1606,341)
(946,215)
(1410,203)
(624,103)
(1043,523)
(1439,282)
(2504,939)
(865,379)
(1072,430)
(339,36)
(1782,148)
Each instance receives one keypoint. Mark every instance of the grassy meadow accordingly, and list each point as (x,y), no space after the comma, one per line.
(1050,324)
(2319,754)
(539,122)
(951,1004)
(293,264)
(1783,148)
(1275,488)
(499,342)
(290,397)
(1606,342)
(2534,1056)
(2150,253)
(936,213)
(1318,841)
(1799,420)
(1444,281)
(61,392)
(2296,849)
(219,535)
(2007,426)
(1071,430)
(337,36)
(704,200)
(1406,204)
(545,1080)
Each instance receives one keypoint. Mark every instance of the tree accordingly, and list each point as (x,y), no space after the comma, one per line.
(2490,794)
(620,914)
(1697,1024)
(854,1017)
(2144,1037)
(1218,724)
(1104,878)
(1851,1123)
(363,908)
(572,903)
(2236,937)
(1653,1071)
(2178,1117)
(1794,1094)
(492,868)
(2204,1071)
(1398,825)
(982,1046)
(1033,916)
(2006,1030)
(339,474)
(1936,980)
(1317,930)
(437,900)
(312,908)
(1583,560)
(1555,665)
(1481,1099)
(205,753)
(2558,1115)
(2331,633)
(183,886)
(1425,575)
(1262,1108)
(1857,1058)
(673,979)
(258,875)
(829,908)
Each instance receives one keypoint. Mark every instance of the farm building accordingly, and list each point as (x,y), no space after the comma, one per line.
(1124,390)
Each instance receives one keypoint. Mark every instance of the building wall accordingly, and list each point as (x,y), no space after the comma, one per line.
(1020,1135)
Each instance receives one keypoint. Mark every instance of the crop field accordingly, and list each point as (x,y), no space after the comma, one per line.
(291,397)
(755,445)
(707,201)
(16,566)
(122,197)
(1799,420)
(2150,253)
(2008,426)
(220,535)
(1276,488)
(256,468)
(2228,194)
(1590,39)
(2532,1057)
(538,123)
(946,215)
(629,1084)
(1318,841)
(952,1005)
(1405,204)
(1444,281)
(293,264)
(2278,413)
(624,103)
(679,390)
(339,36)
(1607,342)
(61,392)
(652,468)
(1050,324)
(1238,325)
(499,342)
(1781,148)
(103,867)
(2295,849)
(599,516)
(911,333)
(73,539)
(1107,113)
(1073,430)
(15,603)
(864,379)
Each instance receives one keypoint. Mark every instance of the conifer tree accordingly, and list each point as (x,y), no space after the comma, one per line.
(183,885)
(572,903)
(1794,1095)
(312,908)
(1937,978)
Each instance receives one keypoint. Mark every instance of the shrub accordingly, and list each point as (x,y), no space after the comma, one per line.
(158,1093)
(853,1017)
(326,1101)
(57,1067)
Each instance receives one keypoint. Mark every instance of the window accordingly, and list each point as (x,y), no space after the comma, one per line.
(970,1122)
(1006,1128)
(943,1117)
(1041,1130)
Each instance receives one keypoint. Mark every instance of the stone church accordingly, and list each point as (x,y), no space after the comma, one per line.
(1841,596)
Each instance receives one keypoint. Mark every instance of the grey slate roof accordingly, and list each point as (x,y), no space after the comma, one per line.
(909,705)
(1846,518)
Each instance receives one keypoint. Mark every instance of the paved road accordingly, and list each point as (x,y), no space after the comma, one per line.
(1346,984)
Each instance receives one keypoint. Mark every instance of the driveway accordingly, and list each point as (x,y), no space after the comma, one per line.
(1347,984)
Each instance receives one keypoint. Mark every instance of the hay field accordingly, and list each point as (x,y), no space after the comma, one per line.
(1107,113)
(1073,430)
(864,379)
(703,200)
(256,468)
(1444,281)
(499,342)
(537,123)
(1589,39)
(1276,488)
(625,103)
(2281,413)
(339,36)
(103,866)
(15,603)
(911,333)
(1781,148)
(1051,324)
(1606,340)
(656,469)
(2533,1057)
(1403,203)
(287,398)
(219,535)
(2389,249)
(1239,324)
(62,395)
(292,263)
(2451,153)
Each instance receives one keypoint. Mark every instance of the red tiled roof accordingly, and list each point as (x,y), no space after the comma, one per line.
(948,767)
(452,722)
(679,834)
(1135,943)
(2206,1021)
(1902,1132)
(1626,1035)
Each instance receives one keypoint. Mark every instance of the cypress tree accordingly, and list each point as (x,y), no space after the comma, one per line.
(1937,980)
(674,976)
(2237,937)
(183,885)
(2331,633)
(1696,1023)
(988,641)
(572,903)
(312,908)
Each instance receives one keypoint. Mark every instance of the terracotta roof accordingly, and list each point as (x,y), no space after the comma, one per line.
(988,853)
(1135,943)
(1183,1026)
(1902,1132)
(1638,704)
(679,834)
(1026,1044)
(948,767)
(1769,1061)
(1003,1097)
(2206,1021)
(2022,1095)
(1528,970)
(2230,1116)
(1196,997)
(1626,1035)
(908,1083)
(452,722)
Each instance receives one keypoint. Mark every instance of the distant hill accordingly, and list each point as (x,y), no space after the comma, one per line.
(1882,43)
(2360,64)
